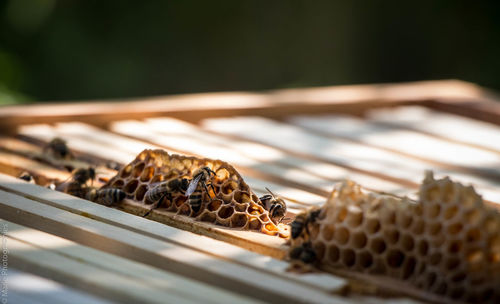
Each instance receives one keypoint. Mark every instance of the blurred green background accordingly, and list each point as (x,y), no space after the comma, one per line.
(75,50)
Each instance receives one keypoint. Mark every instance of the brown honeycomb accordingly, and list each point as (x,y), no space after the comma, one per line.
(234,205)
(447,244)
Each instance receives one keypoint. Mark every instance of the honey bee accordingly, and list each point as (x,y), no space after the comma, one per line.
(275,205)
(27,177)
(166,189)
(77,183)
(302,221)
(107,197)
(194,191)
(304,252)
(58,148)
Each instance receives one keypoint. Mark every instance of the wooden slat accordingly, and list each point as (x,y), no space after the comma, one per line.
(27,288)
(447,126)
(159,231)
(160,284)
(279,103)
(103,283)
(413,144)
(406,141)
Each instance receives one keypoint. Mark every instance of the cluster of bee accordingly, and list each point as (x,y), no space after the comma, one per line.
(78,183)
(201,181)
(300,227)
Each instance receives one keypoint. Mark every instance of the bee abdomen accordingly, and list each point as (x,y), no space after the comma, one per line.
(109,196)
(195,201)
(297,227)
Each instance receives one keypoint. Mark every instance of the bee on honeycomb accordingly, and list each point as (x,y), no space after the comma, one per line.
(228,201)
(446,246)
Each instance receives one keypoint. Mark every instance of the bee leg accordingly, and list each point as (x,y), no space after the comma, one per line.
(155,205)
(212,186)
(208,192)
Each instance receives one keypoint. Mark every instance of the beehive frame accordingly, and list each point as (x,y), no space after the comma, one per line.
(451,96)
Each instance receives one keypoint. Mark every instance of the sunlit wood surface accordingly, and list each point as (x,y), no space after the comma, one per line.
(297,142)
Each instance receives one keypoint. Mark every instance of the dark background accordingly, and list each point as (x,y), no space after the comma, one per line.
(75,50)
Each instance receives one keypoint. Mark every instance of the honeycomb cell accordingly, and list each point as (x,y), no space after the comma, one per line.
(341,214)
(228,187)
(157,179)
(333,253)
(473,235)
(365,259)
(354,218)
(130,187)
(435,258)
(222,175)
(137,170)
(372,225)
(208,217)
(433,210)
(126,171)
(241,197)
(455,246)
(418,226)
(319,249)
(141,191)
(147,174)
(238,220)
(450,212)
(409,267)
(395,258)
(455,228)
(404,220)
(254,224)
(359,239)
(348,257)
(407,242)
(434,228)
(391,236)
(327,232)
(388,216)
(378,245)
(458,277)
(452,263)
(341,235)
(225,212)
(214,205)
(118,184)
(422,247)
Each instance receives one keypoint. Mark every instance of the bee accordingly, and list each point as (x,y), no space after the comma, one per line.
(275,205)
(58,148)
(166,189)
(82,175)
(304,252)
(107,197)
(302,221)
(77,183)
(194,191)
(27,177)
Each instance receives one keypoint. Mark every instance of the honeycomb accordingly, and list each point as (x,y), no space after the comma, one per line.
(232,205)
(446,245)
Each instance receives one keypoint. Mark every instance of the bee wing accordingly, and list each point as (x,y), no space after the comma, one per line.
(193,184)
